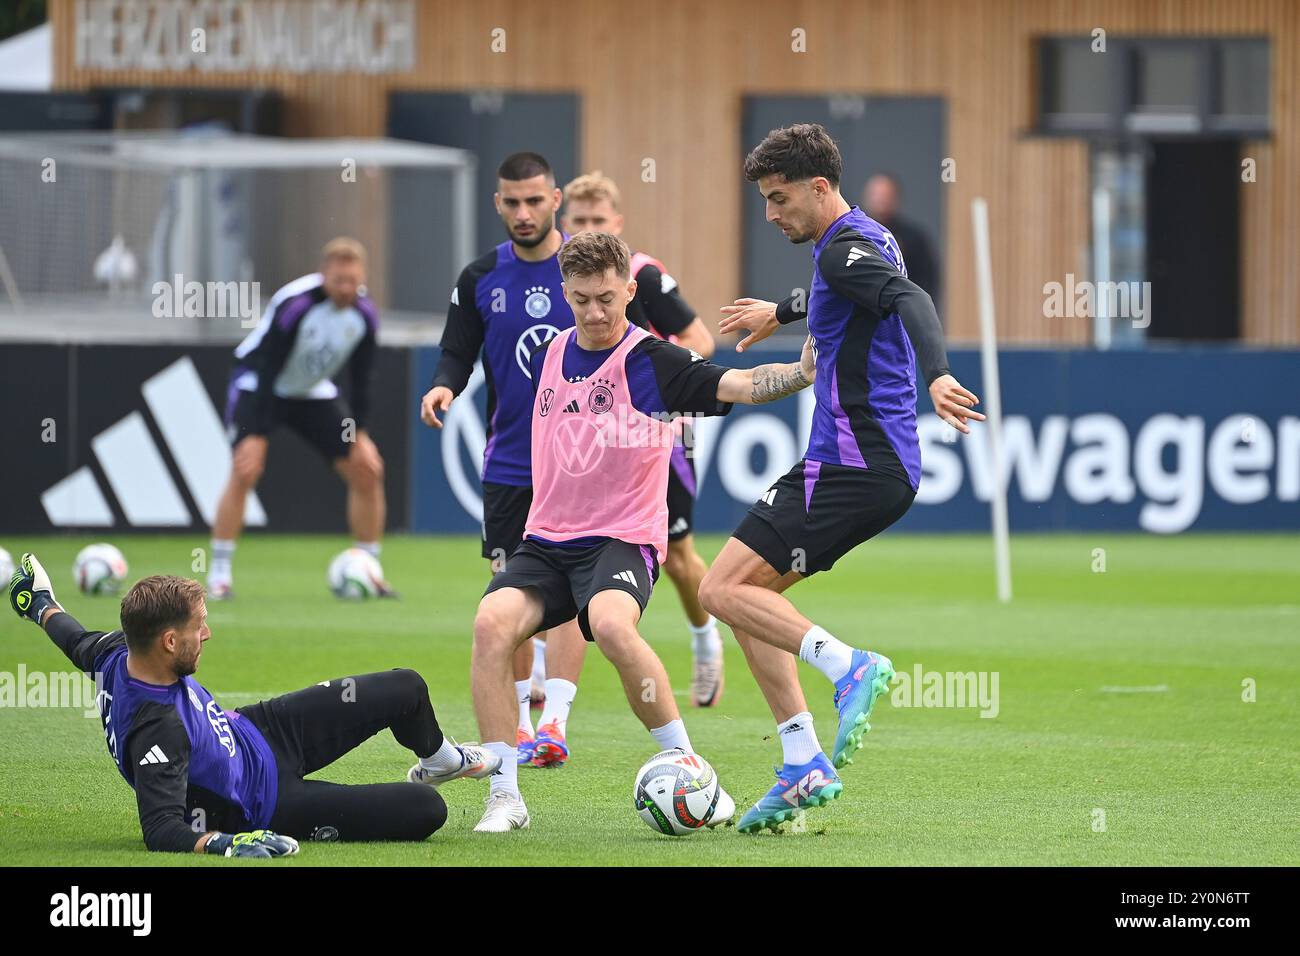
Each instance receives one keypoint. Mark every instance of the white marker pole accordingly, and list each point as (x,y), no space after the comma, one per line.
(992,397)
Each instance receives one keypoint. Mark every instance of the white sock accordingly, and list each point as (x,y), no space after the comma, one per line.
(830,656)
(559,699)
(446,758)
(371,548)
(705,642)
(505,780)
(522,690)
(539,660)
(672,735)
(798,739)
(223,552)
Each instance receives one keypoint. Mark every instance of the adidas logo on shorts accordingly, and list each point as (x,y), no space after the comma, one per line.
(627,576)
(155,755)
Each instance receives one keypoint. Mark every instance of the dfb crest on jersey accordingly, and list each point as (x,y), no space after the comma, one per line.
(547,396)
(537,302)
(601,399)
(529,339)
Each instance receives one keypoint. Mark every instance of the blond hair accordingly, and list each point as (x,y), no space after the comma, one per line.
(345,248)
(593,187)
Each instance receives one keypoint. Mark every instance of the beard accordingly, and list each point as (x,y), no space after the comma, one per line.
(184,668)
(535,239)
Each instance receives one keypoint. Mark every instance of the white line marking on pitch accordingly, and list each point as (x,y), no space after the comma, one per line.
(1154,689)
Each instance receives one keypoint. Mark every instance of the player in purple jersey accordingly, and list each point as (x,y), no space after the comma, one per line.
(230,782)
(284,375)
(871,327)
(505,304)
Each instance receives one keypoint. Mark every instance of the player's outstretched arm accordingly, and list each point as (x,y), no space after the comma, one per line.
(755,316)
(32,596)
(767,383)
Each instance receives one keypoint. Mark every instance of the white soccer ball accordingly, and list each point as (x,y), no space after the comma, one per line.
(6,567)
(100,569)
(675,793)
(355,575)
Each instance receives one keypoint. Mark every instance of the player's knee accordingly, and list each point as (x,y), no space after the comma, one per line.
(247,474)
(492,631)
(430,814)
(713,594)
(677,563)
(614,634)
(365,477)
(408,683)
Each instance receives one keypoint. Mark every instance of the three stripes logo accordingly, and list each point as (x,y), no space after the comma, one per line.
(769,497)
(572,406)
(155,755)
(856,253)
(137,473)
(626,576)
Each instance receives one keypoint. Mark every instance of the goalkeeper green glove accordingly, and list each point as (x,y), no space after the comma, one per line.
(258,843)
(30,591)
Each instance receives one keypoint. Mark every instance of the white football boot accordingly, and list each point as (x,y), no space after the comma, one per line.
(706,682)
(475,762)
(724,811)
(505,812)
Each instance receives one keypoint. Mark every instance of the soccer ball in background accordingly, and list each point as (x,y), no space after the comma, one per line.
(675,793)
(99,569)
(6,567)
(355,575)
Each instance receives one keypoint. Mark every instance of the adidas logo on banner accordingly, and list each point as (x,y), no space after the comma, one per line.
(627,576)
(572,406)
(769,497)
(137,473)
(855,254)
(155,755)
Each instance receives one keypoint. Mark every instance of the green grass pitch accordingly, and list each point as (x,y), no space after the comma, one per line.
(1125,733)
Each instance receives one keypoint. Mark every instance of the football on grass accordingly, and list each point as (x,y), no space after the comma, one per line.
(675,793)
(99,569)
(355,575)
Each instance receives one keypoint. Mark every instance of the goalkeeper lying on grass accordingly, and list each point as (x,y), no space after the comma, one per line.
(231,782)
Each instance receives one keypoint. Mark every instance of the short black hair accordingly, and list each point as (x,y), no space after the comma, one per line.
(801,151)
(520,166)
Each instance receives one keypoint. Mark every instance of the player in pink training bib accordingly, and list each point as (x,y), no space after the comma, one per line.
(602,434)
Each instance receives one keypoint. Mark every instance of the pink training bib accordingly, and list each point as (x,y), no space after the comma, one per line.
(600,466)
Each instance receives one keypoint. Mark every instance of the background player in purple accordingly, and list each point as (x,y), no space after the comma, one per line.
(202,774)
(871,327)
(284,375)
(505,304)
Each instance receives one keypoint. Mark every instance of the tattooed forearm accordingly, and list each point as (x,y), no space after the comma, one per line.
(777,381)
